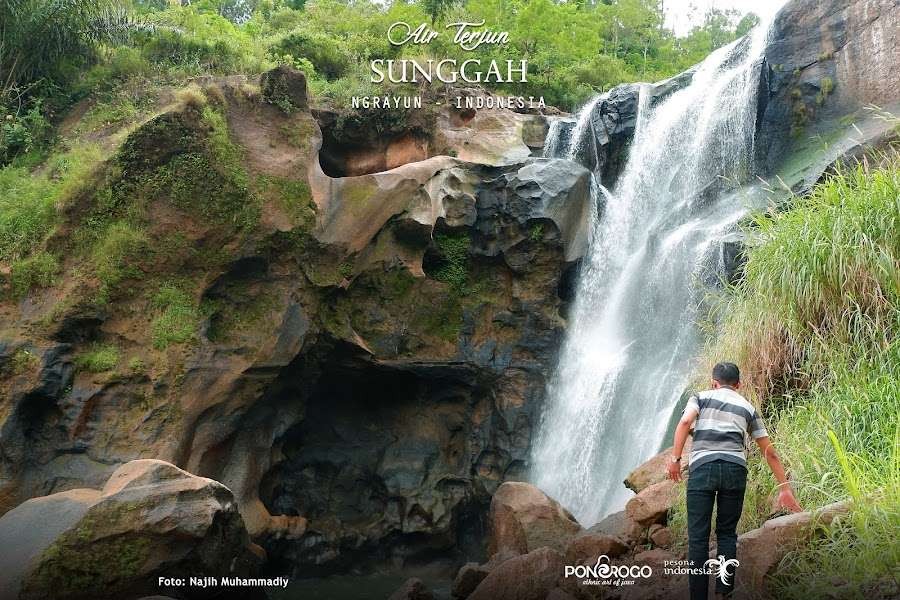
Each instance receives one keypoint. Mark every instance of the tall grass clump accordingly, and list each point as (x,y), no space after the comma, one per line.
(29,198)
(824,276)
(814,325)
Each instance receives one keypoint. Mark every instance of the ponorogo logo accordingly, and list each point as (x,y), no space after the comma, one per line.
(604,573)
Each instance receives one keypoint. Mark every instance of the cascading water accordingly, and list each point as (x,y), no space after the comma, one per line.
(632,332)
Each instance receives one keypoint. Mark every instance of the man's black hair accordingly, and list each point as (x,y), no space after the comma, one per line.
(727,373)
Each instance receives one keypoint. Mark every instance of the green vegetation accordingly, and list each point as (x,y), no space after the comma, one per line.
(117,51)
(92,557)
(814,324)
(453,267)
(120,246)
(99,358)
(178,317)
(23,360)
(38,270)
(28,201)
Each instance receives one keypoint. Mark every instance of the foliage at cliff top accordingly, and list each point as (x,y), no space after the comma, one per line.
(54,53)
(815,324)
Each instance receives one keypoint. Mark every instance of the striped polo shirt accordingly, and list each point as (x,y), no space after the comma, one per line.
(724,417)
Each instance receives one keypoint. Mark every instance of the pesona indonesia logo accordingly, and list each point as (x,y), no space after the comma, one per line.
(467,37)
(720,565)
(605,573)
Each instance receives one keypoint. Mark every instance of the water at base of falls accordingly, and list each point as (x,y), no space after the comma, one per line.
(632,337)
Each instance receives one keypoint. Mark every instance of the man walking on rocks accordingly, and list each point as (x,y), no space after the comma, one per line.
(721,418)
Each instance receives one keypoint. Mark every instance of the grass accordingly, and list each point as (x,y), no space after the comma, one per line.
(99,358)
(814,326)
(38,270)
(23,360)
(177,318)
(29,198)
(115,255)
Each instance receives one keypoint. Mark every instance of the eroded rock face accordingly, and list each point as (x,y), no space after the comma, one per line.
(379,345)
(150,519)
(824,63)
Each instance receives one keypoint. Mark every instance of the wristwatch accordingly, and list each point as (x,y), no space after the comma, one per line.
(675,458)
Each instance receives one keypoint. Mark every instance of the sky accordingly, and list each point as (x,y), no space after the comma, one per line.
(681,15)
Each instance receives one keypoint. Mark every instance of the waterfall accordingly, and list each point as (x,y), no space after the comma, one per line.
(632,337)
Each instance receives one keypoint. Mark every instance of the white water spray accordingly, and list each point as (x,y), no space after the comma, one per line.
(632,336)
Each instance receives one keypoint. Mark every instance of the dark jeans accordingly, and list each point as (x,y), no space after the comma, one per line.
(723,483)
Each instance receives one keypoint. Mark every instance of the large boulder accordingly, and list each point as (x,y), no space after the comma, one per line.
(760,550)
(652,504)
(412,589)
(622,526)
(527,577)
(151,519)
(468,578)
(523,519)
(653,470)
(586,547)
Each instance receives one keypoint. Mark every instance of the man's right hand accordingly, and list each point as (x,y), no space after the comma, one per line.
(673,468)
(787,499)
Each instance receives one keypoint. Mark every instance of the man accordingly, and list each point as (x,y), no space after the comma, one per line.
(718,472)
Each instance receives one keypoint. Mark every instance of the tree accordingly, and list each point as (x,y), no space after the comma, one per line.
(436,9)
(37,36)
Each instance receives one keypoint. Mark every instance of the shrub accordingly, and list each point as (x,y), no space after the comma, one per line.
(100,358)
(116,253)
(329,56)
(178,317)
(38,270)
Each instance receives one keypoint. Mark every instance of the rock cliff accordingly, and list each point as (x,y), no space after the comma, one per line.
(359,359)
(353,331)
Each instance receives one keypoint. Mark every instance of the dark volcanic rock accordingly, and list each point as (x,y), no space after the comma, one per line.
(613,119)
(285,87)
(412,589)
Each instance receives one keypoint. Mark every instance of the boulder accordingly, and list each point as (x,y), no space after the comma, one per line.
(654,470)
(661,536)
(655,557)
(527,577)
(586,547)
(652,504)
(620,525)
(467,579)
(760,550)
(558,594)
(150,519)
(285,87)
(412,589)
(523,518)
